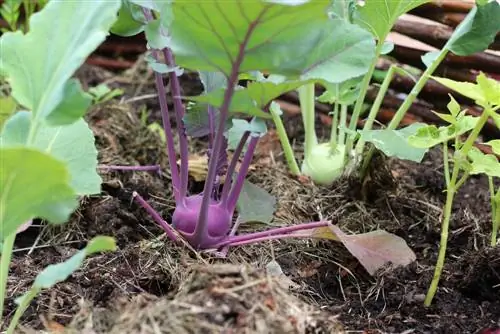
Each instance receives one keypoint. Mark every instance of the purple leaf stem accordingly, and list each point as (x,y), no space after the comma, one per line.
(179,114)
(270,237)
(153,168)
(211,126)
(276,231)
(242,173)
(201,227)
(223,252)
(167,128)
(169,230)
(232,167)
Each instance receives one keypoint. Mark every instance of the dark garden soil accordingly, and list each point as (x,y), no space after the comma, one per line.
(151,285)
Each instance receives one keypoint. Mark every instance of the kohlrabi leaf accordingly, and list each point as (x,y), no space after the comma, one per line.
(394,143)
(102,93)
(255,204)
(252,99)
(196,119)
(74,104)
(155,35)
(56,273)
(483,163)
(495,145)
(485,91)
(161,67)
(7,107)
(72,144)
(38,71)
(344,93)
(379,16)
(477,31)
(299,41)
(127,23)
(430,135)
(34,184)
(212,81)
(373,249)
(256,126)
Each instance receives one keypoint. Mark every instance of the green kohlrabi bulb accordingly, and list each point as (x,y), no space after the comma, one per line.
(323,164)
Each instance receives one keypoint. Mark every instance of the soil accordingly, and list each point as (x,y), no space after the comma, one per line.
(151,285)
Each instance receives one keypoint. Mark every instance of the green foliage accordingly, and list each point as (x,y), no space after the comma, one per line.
(102,93)
(38,72)
(255,204)
(477,31)
(130,20)
(378,17)
(56,273)
(346,92)
(394,143)
(483,163)
(431,135)
(485,92)
(294,41)
(50,195)
(8,107)
(10,11)
(72,144)
(495,145)
(250,100)
(256,127)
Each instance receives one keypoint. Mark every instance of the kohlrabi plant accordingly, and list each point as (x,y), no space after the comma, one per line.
(347,87)
(226,42)
(47,152)
(467,159)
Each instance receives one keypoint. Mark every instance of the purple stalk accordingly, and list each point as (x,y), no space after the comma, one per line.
(271,237)
(211,126)
(154,168)
(169,230)
(223,252)
(281,231)
(200,232)
(179,114)
(232,167)
(240,179)
(167,128)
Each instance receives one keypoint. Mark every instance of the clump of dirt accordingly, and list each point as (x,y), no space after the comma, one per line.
(213,299)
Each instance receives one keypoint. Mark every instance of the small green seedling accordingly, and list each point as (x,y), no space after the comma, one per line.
(467,160)
(48,156)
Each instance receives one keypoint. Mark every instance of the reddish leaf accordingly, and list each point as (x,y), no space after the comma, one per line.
(376,249)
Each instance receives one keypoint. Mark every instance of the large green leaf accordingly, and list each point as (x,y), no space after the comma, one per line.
(430,135)
(477,31)
(483,163)
(394,143)
(485,92)
(255,204)
(298,41)
(56,273)
(32,184)
(252,99)
(39,63)
(378,16)
(72,144)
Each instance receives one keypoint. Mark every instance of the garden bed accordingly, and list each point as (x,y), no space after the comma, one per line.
(151,285)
